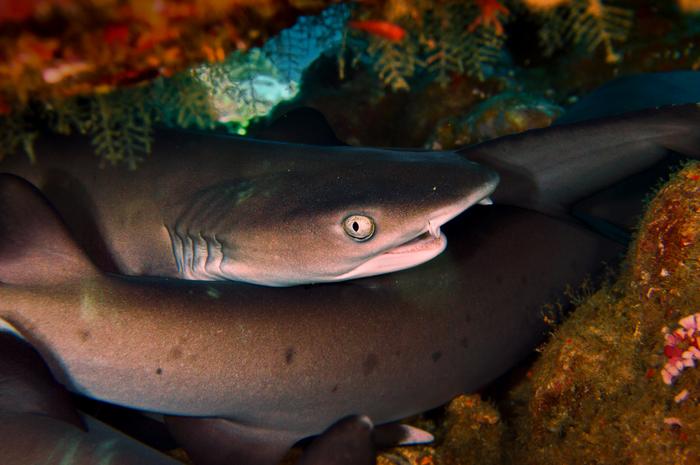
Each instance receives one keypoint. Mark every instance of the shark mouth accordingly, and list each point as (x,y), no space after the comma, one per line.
(416,251)
(427,245)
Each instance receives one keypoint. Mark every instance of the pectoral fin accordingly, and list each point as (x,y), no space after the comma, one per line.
(216,441)
(35,245)
(347,442)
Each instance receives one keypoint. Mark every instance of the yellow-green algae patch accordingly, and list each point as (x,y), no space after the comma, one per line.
(596,394)
(469,431)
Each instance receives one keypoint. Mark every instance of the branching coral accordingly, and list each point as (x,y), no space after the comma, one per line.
(589,23)
(443,39)
(120,128)
(455,37)
(16,134)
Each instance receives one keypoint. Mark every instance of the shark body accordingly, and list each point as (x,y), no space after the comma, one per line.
(40,424)
(387,346)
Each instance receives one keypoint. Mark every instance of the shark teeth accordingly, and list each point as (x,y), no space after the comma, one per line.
(486,201)
(434,229)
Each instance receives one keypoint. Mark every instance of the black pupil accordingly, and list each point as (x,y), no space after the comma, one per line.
(355,226)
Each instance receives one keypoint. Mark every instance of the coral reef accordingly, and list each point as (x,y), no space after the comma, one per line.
(457,37)
(226,92)
(470,431)
(599,393)
(58,48)
(385,55)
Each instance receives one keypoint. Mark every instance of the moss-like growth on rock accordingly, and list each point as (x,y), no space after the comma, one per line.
(597,395)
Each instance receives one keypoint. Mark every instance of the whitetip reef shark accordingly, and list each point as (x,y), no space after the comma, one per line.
(218,207)
(269,366)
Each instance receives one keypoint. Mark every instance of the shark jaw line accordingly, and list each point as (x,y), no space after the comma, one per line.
(416,251)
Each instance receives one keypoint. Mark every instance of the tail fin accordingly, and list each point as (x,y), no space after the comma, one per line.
(35,245)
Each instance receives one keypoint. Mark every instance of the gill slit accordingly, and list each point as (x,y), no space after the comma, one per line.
(196,256)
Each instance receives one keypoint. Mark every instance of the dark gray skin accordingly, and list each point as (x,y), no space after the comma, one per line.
(215,207)
(388,346)
(39,424)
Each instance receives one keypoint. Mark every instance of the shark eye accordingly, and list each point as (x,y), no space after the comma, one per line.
(359,227)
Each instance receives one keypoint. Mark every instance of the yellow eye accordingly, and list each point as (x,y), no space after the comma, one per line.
(359,227)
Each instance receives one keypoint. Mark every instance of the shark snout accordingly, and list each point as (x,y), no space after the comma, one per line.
(466,184)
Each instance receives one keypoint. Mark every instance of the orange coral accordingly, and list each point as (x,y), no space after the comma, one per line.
(59,48)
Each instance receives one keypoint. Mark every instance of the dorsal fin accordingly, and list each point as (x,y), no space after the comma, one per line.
(35,245)
(303,125)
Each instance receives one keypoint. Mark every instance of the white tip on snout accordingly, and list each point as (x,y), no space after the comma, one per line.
(486,201)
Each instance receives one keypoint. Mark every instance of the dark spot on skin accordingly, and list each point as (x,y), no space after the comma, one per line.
(574,265)
(289,355)
(498,279)
(159,371)
(523,279)
(369,364)
(467,318)
(464,342)
(335,388)
(436,356)
(84,335)
(175,353)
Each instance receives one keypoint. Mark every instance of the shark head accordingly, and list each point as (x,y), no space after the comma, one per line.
(353,215)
